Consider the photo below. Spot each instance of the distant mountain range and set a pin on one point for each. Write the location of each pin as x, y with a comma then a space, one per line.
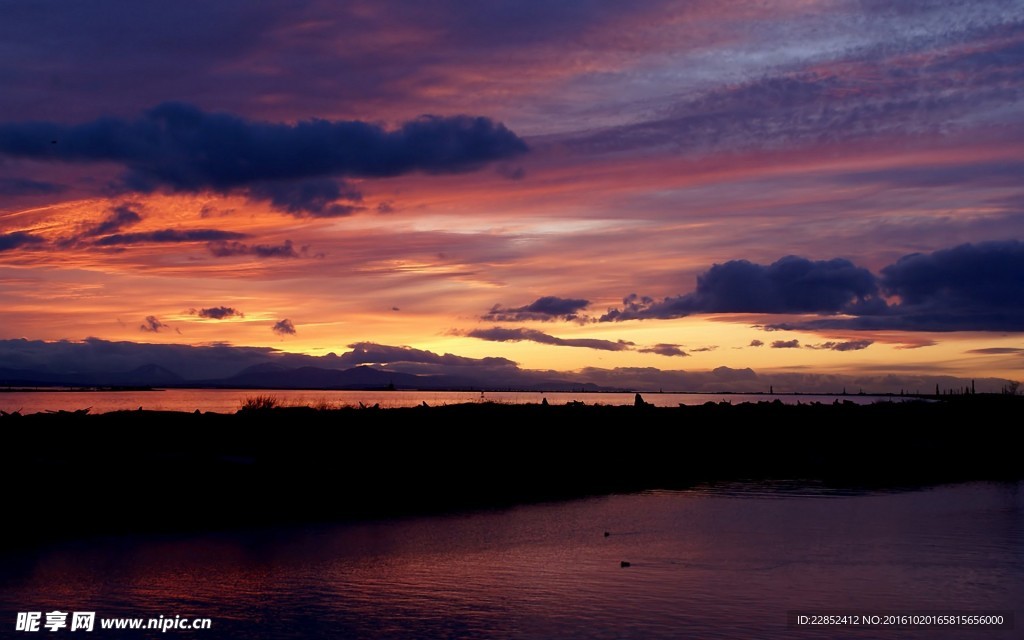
369, 366
275, 376
149, 375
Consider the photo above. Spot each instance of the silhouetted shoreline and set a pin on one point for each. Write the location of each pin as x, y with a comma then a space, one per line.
201, 471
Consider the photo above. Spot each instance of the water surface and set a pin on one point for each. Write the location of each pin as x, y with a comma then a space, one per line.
727, 561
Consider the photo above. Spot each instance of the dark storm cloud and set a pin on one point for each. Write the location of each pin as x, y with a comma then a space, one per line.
152, 324
284, 328
756, 343
120, 217
168, 236
971, 287
502, 334
26, 187
789, 285
228, 249
966, 287
544, 309
850, 345
217, 313
18, 239
989, 275
178, 147
664, 349
786, 344
997, 351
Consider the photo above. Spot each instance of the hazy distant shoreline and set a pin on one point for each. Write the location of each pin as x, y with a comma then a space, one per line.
230, 400
769, 394
199, 471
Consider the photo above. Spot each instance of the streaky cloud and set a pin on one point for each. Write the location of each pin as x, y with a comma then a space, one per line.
997, 351
849, 345
168, 236
797, 107
665, 349
120, 217
503, 334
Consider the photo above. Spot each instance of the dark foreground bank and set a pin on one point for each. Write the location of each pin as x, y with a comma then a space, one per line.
66, 475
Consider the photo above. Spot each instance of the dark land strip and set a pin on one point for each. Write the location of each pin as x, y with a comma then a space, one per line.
68, 475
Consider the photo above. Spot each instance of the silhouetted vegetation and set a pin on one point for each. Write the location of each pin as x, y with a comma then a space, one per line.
267, 463
259, 403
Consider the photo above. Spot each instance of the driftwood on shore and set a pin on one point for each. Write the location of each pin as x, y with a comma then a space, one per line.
143, 470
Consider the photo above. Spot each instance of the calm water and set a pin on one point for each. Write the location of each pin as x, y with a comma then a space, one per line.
721, 562
229, 400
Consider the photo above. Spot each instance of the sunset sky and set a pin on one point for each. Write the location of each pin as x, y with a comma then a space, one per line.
597, 187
